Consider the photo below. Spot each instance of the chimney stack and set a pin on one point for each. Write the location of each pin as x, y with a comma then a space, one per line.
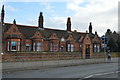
68, 24
40, 20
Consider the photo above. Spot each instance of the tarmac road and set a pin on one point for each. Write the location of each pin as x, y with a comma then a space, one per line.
79, 72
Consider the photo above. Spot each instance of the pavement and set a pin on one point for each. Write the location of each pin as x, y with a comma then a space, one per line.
76, 72
14, 66
97, 71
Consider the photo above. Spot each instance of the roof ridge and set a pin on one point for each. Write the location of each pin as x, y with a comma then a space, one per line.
20, 25
44, 28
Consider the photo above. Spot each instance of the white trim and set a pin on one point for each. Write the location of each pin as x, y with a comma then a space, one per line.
34, 46
98, 48
39, 46
12, 45
51, 47
68, 47
72, 47
18, 46
95, 48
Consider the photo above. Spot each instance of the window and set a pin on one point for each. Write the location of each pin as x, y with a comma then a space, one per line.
39, 46
34, 46
18, 46
50, 46
80, 48
14, 45
27, 47
98, 48
68, 47
55, 47
72, 47
8, 47
94, 48
62, 48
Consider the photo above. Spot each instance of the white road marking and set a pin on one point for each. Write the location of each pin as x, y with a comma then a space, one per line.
100, 74
89, 76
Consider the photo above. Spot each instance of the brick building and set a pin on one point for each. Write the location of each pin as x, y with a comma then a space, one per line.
38, 38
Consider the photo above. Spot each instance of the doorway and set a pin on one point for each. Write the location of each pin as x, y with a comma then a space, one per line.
87, 51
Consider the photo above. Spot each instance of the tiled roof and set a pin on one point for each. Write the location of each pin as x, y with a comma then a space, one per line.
29, 31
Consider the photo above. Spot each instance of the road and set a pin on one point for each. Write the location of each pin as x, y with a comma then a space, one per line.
81, 71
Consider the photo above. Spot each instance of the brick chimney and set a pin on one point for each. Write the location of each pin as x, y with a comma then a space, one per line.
40, 20
2, 14
68, 24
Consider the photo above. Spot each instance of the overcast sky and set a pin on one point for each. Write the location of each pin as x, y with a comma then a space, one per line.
102, 13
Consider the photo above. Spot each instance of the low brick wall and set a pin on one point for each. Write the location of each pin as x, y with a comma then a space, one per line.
24, 56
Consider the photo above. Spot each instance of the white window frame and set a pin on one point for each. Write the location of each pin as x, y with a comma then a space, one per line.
98, 48
72, 47
51, 47
12, 45
95, 48
8, 46
34, 44
18, 45
39, 46
68, 46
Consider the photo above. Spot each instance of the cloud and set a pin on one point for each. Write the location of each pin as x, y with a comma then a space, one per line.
48, 6
10, 8
56, 22
103, 14
1, 3
7, 6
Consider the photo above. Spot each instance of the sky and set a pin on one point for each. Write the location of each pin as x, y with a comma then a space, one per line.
102, 13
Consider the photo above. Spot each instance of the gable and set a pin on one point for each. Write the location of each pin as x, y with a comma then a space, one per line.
13, 29
96, 39
70, 37
37, 35
53, 36
87, 39
13, 32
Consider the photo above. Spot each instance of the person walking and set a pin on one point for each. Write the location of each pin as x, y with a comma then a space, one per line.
109, 55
